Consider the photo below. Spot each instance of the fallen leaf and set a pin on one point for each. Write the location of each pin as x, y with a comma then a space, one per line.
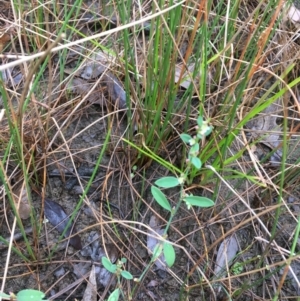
58, 218
98, 65
153, 283
294, 14
265, 129
90, 293
94, 249
115, 90
11, 77
103, 276
226, 253
186, 78
81, 87
4, 39
81, 268
152, 242
92, 70
21, 197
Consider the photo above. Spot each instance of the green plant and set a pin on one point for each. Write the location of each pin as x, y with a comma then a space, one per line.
117, 269
193, 163
237, 268
25, 295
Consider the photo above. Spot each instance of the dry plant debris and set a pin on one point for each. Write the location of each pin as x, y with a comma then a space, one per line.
58, 218
98, 66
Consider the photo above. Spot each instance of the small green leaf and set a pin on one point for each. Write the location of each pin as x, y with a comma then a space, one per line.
195, 149
5, 296
30, 295
169, 254
157, 251
127, 275
123, 260
185, 138
160, 198
196, 162
237, 268
108, 265
114, 296
200, 121
167, 182
208, 130
199, 201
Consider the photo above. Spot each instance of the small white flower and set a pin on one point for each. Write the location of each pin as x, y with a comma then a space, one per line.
188, 205
192, 141
181, 180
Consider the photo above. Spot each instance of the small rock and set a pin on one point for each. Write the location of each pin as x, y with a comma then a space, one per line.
59, 272
81, 269
291, 199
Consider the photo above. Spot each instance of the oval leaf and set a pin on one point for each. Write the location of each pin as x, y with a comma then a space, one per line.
167, 182
185, 138
127, 275
199, 201
195, 148
32, 295
160, 198
108, 265
196, 162
114, 295
200, 121
169, 254
90, 292
226, 254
